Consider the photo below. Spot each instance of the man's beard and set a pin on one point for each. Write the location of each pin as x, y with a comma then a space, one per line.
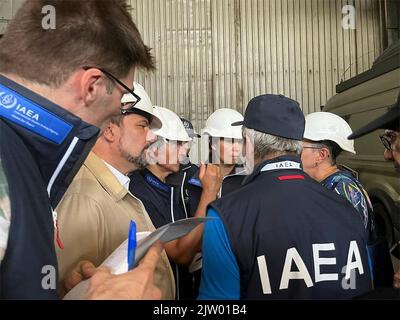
140, 162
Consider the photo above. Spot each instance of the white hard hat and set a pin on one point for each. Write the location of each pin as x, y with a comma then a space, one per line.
172, 126
144, 106
219, 125
328, 126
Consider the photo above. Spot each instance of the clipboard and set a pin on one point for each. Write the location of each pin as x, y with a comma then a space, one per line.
117, 261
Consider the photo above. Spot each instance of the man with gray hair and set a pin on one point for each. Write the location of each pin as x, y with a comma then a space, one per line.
280, 217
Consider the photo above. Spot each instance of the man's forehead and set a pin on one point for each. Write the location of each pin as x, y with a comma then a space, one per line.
136, 118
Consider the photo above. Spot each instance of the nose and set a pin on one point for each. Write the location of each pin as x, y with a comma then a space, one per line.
388, 155
151, 136
237, 146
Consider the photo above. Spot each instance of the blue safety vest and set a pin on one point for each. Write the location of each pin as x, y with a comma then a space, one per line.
292, 238
163, 204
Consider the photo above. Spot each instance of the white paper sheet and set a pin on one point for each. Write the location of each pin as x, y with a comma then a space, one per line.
117, 262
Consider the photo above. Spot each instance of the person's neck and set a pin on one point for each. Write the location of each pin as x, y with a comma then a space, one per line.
51, 94
323, 171
160, 172
63, 96
258, 160
113, 160
273, 156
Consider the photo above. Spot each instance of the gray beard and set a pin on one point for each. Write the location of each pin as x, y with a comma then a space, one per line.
140, 161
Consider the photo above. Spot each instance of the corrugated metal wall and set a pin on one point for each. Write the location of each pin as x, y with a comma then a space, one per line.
220, 53
7, 10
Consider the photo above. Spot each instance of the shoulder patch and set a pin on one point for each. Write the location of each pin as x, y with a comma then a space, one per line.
25, 113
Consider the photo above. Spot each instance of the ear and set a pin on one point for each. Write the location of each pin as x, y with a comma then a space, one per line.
111, 133
323, 154
92, 86
156, 152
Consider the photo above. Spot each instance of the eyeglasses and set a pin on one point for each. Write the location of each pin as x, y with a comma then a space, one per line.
126, 108
388, 140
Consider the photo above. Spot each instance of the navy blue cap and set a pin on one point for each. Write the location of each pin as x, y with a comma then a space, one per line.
189, 128
276, 115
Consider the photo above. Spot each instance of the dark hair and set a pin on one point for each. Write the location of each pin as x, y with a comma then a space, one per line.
333, 147
117, 120
89, 32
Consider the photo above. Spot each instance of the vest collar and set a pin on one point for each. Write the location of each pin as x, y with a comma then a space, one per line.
58, 154
185, 167
278, 163
155, 182
237, 170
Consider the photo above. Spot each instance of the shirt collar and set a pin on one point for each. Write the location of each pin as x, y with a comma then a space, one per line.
122, 179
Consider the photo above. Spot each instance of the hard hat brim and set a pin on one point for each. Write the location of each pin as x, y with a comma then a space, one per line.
155, 122
237, 123
194, 135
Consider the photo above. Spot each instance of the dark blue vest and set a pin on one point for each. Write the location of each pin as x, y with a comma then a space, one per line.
190, 192
156, 198
30, 161
280, 222
233, 181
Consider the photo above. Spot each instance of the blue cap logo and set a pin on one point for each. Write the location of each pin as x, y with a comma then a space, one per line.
7, 101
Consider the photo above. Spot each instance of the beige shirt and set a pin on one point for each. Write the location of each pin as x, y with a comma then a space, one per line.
94, 217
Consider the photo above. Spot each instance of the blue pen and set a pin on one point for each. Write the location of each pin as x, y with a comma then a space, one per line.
131, 245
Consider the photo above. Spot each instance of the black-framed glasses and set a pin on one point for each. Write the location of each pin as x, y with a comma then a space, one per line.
386, 140
126, 108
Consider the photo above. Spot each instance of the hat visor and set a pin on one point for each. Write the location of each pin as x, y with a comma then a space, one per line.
237, 123
194, 135
155, 122
390, 120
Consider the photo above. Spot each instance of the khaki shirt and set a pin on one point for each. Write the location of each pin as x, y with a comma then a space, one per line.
94, 217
